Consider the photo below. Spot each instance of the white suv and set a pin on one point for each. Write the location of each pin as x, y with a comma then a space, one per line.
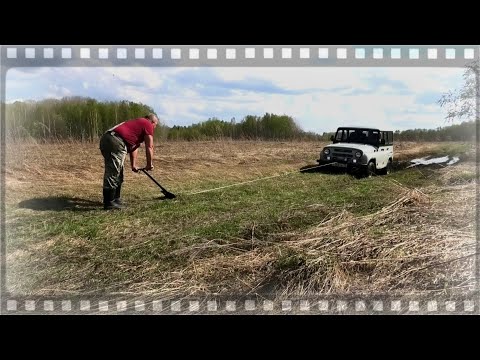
367, 150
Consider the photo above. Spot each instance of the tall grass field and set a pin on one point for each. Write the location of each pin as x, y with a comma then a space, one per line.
246, 220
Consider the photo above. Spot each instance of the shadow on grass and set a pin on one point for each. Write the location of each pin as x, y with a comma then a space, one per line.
313, 169
322, 170
60, 203
164, 198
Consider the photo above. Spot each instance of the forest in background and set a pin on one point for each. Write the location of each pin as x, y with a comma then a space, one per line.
85, 119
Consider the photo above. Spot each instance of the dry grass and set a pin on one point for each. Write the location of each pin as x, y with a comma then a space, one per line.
412, 245
422, 240
73, 167
407, 150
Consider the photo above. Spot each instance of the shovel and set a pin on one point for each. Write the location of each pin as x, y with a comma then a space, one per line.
165, 192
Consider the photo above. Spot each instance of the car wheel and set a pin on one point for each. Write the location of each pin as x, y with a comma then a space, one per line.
371, 169
388, 169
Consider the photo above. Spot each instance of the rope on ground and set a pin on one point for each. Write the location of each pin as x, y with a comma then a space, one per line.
255, 180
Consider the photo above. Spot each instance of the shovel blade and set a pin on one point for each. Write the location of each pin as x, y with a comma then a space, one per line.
169, 195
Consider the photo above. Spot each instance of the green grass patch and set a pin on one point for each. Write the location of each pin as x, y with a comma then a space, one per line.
96, 249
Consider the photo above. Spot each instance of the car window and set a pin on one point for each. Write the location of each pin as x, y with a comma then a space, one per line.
342, 135
361, 136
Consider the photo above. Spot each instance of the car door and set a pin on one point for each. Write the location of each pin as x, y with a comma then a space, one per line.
383, 150
388, 147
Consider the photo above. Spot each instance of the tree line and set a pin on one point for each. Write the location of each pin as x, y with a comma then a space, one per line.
266, 127
87, 119
76, 118
464, 131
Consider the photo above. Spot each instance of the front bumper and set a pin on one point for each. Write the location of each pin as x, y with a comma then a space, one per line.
347, 163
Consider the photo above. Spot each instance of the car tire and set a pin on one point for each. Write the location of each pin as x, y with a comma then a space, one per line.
371, 169
388, 169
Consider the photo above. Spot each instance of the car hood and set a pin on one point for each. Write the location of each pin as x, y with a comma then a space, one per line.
356, 146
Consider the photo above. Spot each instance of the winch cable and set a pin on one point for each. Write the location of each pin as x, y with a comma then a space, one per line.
260, 179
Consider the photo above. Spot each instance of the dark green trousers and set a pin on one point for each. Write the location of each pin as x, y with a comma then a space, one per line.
114, 152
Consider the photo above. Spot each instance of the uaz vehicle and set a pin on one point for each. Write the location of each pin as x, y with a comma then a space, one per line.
365, 150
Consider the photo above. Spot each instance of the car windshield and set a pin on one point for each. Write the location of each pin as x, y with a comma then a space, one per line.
359, 136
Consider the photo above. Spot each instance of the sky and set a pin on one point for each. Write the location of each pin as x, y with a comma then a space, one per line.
320, 99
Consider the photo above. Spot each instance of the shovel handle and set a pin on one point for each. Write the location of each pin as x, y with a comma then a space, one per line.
155, 181
167, 193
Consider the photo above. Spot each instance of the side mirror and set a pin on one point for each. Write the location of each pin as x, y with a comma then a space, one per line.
382, 142
332, 138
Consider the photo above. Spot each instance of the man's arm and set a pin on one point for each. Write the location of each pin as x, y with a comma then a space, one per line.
149, 151
133, 160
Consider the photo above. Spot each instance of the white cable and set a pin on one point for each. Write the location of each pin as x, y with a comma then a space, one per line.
251, 181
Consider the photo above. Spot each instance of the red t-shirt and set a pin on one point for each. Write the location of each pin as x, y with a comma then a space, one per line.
134, 131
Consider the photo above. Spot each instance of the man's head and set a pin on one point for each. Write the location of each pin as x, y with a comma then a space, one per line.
153, 119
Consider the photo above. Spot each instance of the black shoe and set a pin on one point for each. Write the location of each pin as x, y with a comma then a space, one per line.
117, 199
112, 206
108, 203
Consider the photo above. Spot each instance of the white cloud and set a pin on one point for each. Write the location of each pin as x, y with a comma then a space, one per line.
424, 79
299, 78
11, 101
134, 94
16, 74
56, 92
190, 95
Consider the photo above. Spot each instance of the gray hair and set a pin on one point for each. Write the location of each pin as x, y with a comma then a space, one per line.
151, 117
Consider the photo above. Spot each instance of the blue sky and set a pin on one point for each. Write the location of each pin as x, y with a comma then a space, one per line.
318, 98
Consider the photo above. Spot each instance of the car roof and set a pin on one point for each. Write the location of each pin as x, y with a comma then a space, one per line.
359, 128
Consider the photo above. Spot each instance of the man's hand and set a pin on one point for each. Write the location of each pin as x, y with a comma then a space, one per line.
148, 167
135, 169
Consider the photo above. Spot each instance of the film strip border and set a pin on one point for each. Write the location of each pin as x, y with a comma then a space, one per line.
258, 55
352, 305
265, 55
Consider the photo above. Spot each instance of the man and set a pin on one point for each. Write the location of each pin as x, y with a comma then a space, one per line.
115, 144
